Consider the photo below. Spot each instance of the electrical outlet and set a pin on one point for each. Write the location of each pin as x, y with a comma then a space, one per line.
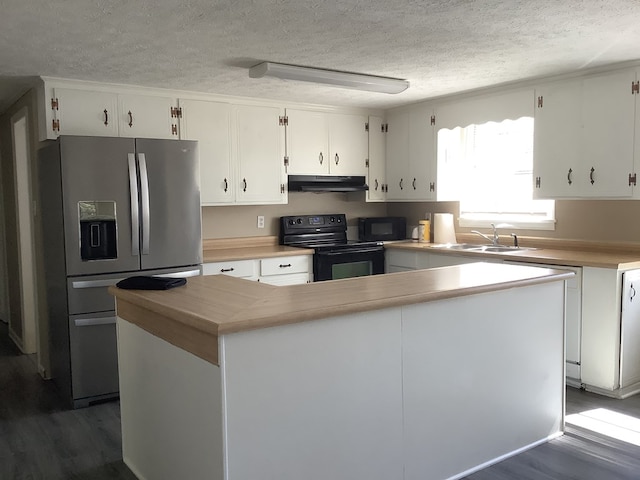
260, 221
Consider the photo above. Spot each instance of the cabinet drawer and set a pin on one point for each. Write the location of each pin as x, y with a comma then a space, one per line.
285, 265
236, 268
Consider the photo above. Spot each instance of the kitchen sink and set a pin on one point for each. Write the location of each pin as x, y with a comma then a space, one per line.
474, 247
458, 246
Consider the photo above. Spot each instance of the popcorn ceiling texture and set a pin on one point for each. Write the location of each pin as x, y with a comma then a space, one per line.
441, 47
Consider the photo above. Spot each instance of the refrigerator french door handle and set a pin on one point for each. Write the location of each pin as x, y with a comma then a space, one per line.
133, 192
144, 197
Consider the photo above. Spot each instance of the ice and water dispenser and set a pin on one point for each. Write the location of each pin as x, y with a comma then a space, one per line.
98, 235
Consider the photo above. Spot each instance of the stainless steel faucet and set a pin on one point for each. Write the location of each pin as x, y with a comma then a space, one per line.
496, 237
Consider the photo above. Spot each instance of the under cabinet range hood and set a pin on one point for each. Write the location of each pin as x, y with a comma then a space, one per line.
327, 183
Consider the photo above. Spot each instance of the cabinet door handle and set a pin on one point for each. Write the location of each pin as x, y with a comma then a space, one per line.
569, 181
591, 175
376, 187
224, 270
106, 117
633, 293
287, 265
401, 184
337, 158
414, 183
244, 184
321, 158
130, 118
226, 185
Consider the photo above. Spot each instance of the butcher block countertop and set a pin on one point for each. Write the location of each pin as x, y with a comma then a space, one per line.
193, 316
246, 248
576, 254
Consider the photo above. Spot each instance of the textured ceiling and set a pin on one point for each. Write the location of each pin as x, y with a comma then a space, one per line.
441, 46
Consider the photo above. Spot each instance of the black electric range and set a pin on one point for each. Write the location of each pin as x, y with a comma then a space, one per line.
335, 257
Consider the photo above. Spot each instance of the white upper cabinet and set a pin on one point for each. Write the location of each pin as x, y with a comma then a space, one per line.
144, 116
307, 142
321, 143
210, 124
83, 112
348, 144
410, 154
81, 108
557, 142
397, 153
585, 129
376, 174
608, 115
259, 147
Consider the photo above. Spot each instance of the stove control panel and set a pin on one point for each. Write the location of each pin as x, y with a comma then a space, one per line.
313, 222
297, 228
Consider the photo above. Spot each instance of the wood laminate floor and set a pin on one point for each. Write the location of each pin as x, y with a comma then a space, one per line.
42, 440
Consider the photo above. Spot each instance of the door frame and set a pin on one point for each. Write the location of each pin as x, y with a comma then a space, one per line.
21, 153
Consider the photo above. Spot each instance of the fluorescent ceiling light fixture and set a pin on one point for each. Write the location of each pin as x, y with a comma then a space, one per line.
370, 83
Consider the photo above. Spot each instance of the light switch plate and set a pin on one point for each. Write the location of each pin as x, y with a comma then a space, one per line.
260, 221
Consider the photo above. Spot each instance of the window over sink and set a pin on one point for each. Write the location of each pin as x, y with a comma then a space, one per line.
489, 169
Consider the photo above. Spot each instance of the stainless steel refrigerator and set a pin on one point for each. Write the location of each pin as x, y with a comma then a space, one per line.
111, 208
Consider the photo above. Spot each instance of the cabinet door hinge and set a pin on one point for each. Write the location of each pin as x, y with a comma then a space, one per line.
174, 129
366, 126
540, 101
54, 104
632, 179
537, 182
282, 188
432, 186
366, 162
176, 112
433, 119
283, 121
286, 161
635, 87
55, 125
385, 128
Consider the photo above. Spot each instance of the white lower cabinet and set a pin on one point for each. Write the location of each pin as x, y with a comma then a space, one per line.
234, 268
611, 331
404, 260
290, 270
573, 321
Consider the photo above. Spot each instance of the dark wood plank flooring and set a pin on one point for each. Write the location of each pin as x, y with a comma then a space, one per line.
42, 440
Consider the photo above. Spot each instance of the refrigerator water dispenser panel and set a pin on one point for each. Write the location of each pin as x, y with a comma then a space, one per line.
98, 234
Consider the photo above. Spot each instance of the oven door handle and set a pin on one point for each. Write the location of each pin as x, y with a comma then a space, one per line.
350, 251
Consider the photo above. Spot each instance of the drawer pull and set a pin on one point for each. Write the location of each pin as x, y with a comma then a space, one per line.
285, 265
223, 270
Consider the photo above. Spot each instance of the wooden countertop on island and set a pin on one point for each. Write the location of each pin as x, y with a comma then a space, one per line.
193, 316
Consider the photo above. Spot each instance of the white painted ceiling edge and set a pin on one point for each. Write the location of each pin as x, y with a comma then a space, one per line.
441, 47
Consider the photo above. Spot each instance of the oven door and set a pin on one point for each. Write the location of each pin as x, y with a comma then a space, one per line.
347, 263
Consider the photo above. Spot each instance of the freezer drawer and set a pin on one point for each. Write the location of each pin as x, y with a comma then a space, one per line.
94, 357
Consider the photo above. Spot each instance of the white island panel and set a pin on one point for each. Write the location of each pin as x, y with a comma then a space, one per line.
476, 367
315, 401
170, 409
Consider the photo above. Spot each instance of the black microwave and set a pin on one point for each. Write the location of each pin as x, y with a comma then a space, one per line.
382, 228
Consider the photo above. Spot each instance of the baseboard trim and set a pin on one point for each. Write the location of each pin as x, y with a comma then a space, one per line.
505, 456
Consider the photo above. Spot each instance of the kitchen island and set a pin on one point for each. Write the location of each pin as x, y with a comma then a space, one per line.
430, 374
